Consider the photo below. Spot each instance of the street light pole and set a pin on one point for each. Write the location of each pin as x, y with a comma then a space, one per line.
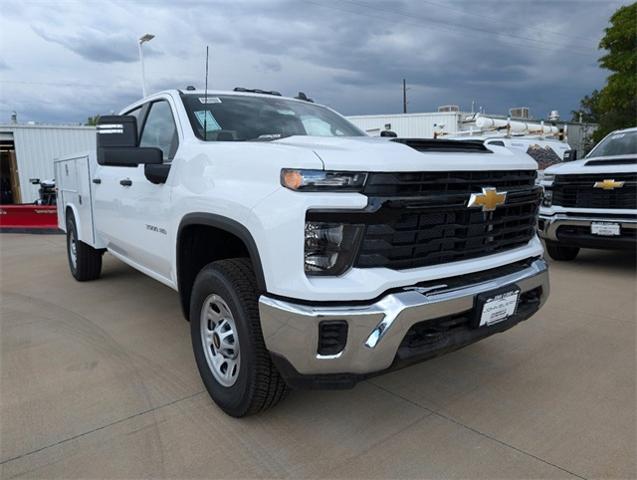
143, 39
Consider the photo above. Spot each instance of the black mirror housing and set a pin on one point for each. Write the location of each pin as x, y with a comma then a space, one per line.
129, 156
116, 131
117, 143
570, 155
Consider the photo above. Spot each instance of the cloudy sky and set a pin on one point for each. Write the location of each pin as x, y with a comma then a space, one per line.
63, 60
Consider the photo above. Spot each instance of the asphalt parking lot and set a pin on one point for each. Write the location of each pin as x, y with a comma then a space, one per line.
98, 380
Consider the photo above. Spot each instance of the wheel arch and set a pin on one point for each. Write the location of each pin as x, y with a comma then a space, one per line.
215, 223
70, 209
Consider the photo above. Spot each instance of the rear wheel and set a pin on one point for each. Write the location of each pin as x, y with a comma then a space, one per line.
227, 341
85, 262
561, 252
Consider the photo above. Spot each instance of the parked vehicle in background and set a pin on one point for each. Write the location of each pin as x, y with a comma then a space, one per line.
545, 151
305, 253
545, 143
46, 193
592, 203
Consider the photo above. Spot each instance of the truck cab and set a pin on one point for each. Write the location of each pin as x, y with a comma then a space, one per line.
305, 253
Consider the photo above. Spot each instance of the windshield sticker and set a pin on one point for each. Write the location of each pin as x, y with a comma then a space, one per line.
205, 100
204, 117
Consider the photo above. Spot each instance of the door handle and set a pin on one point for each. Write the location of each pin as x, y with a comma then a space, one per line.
97, 181
126, 182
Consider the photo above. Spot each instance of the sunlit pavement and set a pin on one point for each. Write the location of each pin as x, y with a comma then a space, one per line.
98, 380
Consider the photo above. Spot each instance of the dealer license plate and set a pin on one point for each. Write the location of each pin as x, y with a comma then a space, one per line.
499, 307
605, 228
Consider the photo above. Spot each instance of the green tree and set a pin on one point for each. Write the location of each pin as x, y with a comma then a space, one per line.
92, 121
616, 104
588, 111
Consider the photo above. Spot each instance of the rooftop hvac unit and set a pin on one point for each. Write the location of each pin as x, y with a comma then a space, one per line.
519, 112
448, 108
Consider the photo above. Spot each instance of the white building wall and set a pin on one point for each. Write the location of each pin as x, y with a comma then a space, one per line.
37, 145
418, 125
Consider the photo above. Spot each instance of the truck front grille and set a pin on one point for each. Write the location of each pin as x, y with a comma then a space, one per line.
422, 219
577, 191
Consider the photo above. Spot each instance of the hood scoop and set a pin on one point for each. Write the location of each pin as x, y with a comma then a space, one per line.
437, 145
615, 161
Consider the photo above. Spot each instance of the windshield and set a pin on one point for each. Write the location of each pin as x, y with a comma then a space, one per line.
620, 143
243, 118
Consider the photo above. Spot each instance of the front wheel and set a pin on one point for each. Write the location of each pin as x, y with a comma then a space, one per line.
227, 341
561, 252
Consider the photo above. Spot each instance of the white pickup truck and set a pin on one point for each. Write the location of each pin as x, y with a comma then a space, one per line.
305, 253
592, 203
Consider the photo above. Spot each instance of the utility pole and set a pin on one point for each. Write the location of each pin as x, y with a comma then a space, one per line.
404, 96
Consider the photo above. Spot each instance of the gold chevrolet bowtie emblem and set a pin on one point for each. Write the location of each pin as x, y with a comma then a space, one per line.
489, 199
608, 184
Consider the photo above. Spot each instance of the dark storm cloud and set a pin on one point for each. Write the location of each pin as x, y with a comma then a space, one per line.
95, 45
351, 54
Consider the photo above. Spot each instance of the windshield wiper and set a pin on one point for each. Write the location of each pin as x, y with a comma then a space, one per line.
267, 137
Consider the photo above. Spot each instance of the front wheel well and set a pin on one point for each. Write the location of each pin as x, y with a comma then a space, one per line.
199, 244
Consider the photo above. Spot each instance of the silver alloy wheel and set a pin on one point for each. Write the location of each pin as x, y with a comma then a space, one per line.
220, 340
73, 248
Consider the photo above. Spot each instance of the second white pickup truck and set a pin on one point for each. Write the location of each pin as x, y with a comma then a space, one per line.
305, 253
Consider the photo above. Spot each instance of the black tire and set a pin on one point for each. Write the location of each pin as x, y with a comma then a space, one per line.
561, 253
88, 261
258, 385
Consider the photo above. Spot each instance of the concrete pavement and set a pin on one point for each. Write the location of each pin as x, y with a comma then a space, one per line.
98, 380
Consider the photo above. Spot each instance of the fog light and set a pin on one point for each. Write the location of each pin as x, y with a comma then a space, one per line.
330, 247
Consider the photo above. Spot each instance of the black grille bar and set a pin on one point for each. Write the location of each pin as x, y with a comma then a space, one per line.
437, 183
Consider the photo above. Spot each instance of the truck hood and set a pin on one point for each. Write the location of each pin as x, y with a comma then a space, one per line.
374, 154
602, 165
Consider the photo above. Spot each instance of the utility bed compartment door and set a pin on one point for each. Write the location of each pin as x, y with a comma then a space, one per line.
72, 176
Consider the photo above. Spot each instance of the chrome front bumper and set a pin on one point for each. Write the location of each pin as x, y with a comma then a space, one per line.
375, 331
550, 223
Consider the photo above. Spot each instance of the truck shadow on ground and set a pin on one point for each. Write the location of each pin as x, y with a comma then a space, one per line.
615, 261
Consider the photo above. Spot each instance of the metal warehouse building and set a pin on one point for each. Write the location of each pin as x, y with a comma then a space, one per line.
27, 151
415, 125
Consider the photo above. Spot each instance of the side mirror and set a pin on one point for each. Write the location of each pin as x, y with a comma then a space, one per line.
570, 155
388, 133
117, 143
34, 181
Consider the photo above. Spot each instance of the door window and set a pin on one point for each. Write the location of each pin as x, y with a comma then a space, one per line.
160, 130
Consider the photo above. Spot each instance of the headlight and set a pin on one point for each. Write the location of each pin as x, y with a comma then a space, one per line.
321, 180
547, 198
545, 178
330, 247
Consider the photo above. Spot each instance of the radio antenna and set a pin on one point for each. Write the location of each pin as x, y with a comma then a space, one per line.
205, 100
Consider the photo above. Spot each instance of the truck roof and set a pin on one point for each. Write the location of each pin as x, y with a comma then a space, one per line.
212, 93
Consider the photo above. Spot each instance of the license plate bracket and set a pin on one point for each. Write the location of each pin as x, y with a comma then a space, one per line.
606, 229
496, 306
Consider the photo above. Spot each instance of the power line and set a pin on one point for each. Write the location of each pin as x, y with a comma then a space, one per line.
499, 21
443, 27
506, 36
